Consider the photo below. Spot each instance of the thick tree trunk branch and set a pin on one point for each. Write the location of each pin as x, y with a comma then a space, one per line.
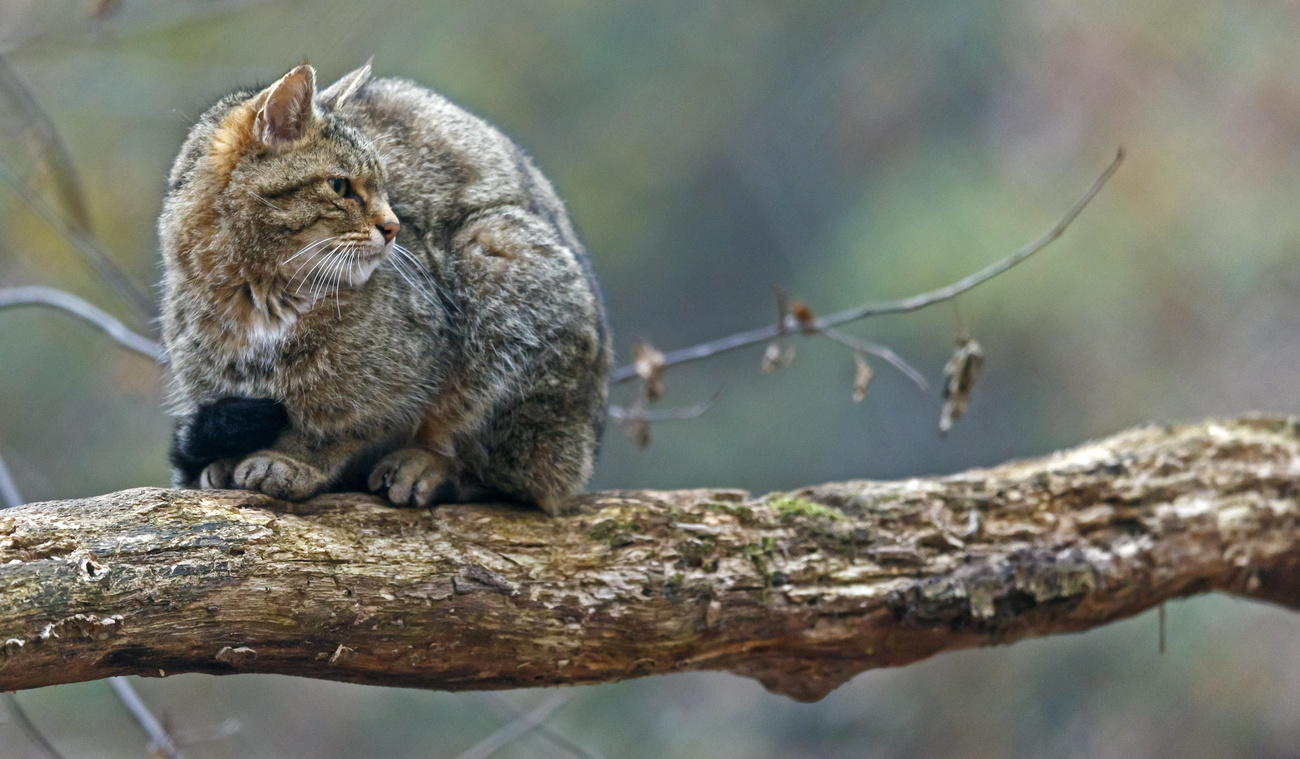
799, 590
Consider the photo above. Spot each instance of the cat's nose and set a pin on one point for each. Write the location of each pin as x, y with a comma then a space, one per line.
388, 228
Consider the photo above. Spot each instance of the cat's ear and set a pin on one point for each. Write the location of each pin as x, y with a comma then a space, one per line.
338, 93
287, 109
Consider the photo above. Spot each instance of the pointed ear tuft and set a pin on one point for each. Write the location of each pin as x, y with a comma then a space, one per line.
338, 93
287, 109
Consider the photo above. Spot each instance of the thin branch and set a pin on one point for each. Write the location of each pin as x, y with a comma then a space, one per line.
154, 25
85, 243
39, 295
515, 729
508, 711
161, 742
635, 413
9, 494
220, 731
903, 305
29, 728
55, 152
884, 352
1161, 632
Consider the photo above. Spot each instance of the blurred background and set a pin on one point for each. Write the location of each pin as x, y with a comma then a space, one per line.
846, 151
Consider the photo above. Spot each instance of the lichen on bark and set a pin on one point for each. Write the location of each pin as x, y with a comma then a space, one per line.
800, 590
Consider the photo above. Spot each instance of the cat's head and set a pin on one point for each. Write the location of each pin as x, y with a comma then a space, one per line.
280, 191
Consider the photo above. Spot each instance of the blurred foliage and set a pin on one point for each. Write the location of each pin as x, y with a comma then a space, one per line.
847, 151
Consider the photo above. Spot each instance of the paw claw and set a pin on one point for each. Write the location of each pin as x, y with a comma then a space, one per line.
411, 477
216, 476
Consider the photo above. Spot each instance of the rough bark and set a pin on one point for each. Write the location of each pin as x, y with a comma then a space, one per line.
800, 590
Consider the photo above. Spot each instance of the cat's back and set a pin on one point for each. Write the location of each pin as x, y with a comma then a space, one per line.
443, 162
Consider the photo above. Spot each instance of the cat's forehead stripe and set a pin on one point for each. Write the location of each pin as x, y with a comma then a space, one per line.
357, 154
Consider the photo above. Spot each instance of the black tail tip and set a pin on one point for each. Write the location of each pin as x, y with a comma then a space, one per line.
227, 427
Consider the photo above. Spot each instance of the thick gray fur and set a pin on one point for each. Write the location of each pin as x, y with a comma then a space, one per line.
472, 366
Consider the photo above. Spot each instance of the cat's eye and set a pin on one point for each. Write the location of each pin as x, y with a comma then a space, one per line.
340, 186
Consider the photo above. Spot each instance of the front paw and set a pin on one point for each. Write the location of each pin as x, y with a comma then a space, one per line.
279, 476
217, 475
412, 477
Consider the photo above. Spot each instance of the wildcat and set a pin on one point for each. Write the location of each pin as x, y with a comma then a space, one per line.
367, 286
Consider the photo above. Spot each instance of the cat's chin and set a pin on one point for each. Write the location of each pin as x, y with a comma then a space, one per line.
321, 281
362, 270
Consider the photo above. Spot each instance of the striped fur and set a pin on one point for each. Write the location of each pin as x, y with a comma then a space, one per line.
467, 360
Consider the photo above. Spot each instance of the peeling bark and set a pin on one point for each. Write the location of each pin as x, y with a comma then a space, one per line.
800, 590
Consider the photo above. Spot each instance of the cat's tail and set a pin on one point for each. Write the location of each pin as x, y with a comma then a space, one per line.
226, 428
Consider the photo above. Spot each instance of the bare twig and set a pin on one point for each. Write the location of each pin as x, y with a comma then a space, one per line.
9, 495
63, 32
85, 243
29, 728
883, 351
637, 419
161, 742
515, 729
508, 711
624, 413
39, 295
903, 305
1161, 616
220, 731
62, 170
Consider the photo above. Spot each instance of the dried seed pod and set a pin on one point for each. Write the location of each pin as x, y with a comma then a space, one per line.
958, 378
804, 316
649, 363
777, 355
861, 378
638, 430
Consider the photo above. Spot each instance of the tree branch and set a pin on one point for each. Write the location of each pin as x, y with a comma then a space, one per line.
800, 590
790, 325
160, 741
75, 229
39, 295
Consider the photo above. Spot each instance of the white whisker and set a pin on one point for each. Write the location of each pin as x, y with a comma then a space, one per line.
303, 281
432, 287
308, 247
338, 280
265, 202
319, 279
414, 281
311, 273
414, 267
401, 272
314, 262
328, 275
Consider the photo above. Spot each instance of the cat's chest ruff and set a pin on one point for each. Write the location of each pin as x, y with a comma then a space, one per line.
264, 337
255, 341
260, 325
270, 346
252, 364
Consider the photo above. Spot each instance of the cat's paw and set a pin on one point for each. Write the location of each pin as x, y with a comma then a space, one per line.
412, 477
217, 475
279, 476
